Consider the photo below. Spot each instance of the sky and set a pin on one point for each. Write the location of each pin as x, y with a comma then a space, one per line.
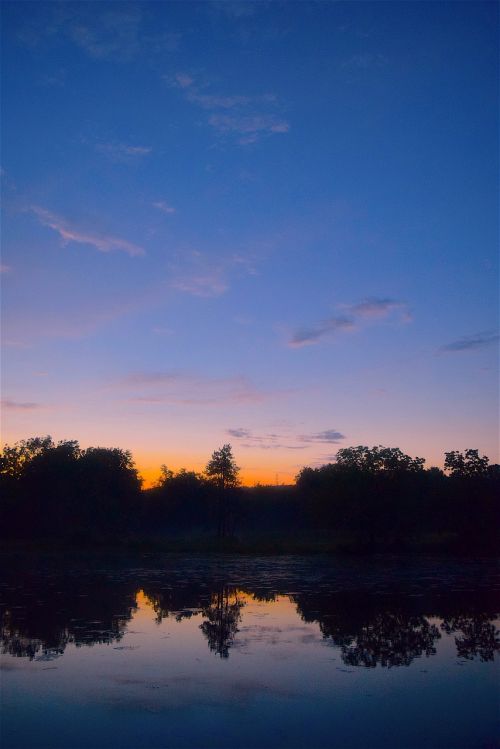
273, 224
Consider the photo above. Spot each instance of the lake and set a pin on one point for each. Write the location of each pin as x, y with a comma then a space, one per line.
153, 650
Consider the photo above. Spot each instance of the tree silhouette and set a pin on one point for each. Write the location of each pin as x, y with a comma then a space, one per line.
470, 465
370, 498
376, 459
222, 472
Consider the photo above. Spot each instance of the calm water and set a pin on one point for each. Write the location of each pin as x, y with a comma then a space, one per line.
164, 651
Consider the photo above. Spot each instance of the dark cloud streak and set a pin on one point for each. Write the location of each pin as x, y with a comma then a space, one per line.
471, 343
355, 315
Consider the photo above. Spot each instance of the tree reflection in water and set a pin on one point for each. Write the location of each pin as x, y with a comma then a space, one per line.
222, 618
41, 614
45, 608
477, 636
389, 639
371, 631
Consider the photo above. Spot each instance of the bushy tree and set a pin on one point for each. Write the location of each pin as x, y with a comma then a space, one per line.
470, 465
376, 459
15, 458
38, 480
57, 489
108, 488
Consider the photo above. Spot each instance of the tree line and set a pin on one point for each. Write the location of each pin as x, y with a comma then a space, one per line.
370, 498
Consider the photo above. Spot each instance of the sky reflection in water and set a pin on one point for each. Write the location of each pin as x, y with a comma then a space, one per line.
163, 651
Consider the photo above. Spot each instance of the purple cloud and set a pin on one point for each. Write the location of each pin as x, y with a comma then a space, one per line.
325, 328
356, 314
238, 433
10, 405
328, 436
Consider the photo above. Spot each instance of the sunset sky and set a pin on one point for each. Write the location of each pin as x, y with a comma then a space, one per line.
273, 224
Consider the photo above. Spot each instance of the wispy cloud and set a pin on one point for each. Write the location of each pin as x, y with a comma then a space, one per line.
70, 233
311, 336
186, 389
153, 378
211, 101
210, 284
267, 441
246, 119
329, 436
115, 36
355, 315
164, 207
239, 433
250, 127
373, 307
471, 342
181, 80
204, 275
123, 152
10, 405
5, 268
113, 32
273, 441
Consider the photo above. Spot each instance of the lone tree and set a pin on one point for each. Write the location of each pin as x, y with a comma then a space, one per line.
222, 472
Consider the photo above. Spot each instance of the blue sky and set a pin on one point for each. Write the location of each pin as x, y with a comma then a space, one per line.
274, 224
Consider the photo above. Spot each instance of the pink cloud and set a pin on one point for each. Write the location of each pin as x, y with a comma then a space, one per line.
68, 233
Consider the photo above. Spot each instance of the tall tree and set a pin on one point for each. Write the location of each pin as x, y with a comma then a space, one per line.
223, 473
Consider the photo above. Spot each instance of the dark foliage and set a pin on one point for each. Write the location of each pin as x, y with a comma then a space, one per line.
370, 499
58, 490
385, 499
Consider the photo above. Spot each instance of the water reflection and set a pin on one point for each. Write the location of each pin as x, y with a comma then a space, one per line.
477, 635
221, 620
41, 613
44, 608
370, 634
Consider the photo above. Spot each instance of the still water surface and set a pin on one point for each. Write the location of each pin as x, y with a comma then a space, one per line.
169, 651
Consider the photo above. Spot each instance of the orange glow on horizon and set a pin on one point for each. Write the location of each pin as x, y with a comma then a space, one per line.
265, 476
151, 474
